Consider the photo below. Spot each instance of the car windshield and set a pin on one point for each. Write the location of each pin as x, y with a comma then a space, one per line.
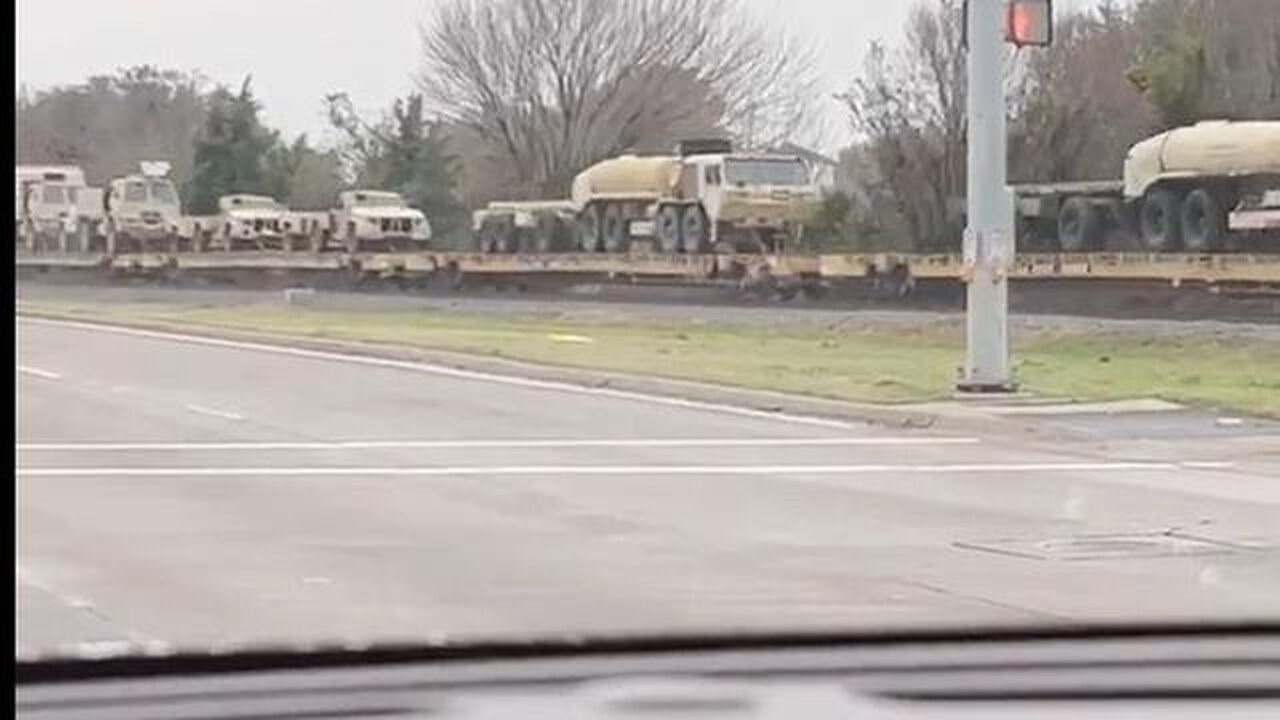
642, 318
766, 172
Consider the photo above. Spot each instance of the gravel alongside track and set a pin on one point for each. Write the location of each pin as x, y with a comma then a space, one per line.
588, 307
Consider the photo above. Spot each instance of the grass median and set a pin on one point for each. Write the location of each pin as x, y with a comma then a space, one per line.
851, 361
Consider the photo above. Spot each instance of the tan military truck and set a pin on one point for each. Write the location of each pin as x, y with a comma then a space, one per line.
371, 220
243, 222
1201, 188
56, 210
143, 211
704, 197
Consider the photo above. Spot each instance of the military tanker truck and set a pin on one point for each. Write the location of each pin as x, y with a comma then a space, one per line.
1202, 188
704, 197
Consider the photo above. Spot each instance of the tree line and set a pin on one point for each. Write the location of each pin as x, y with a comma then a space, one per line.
218, 144
514, 97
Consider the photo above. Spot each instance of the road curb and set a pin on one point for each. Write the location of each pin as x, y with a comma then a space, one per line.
765, 401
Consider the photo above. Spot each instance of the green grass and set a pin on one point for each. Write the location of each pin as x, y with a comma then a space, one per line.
874, 364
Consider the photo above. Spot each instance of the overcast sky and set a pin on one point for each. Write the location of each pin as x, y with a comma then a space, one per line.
299, 50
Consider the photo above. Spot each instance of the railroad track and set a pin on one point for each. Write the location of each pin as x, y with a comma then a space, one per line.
1261, 270
1178, 287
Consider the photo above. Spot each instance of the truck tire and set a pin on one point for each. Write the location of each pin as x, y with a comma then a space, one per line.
1160, 220
614, 229
667, 228
693, 230
484, 238
590, 226
350, 244
1079, 226
547, 235
1204, 221
84, 237
503, 238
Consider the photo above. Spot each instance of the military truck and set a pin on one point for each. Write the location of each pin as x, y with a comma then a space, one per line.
252, 222
55, 208
1201, 188
143, 211
370, 220
704, 197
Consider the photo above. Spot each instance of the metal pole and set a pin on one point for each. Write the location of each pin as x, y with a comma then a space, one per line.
988, 239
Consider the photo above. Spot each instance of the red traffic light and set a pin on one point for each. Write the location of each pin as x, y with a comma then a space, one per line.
1029, 23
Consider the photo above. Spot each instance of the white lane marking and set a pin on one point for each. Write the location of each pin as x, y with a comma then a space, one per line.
1213, 465
494, 444
214, 412
424, 367
946, 469
37, 372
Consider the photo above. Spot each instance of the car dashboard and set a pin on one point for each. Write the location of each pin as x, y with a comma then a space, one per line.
1221, 673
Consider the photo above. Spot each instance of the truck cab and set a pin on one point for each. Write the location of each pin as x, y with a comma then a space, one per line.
752, 201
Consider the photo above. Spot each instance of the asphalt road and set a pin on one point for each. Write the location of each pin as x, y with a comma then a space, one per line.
204, 492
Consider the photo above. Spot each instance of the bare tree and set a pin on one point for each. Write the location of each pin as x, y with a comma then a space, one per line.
553, 85
909, 108
1074, 112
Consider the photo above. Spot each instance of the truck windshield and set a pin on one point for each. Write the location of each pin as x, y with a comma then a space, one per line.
135, 192
377, 200
766, 172
162, 192
253, 202
56, 195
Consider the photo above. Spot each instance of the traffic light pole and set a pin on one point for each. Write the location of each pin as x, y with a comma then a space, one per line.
989, 237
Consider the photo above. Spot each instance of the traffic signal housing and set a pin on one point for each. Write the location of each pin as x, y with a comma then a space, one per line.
1029, 23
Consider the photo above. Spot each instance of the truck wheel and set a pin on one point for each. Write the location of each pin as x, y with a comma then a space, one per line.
1204, 222
1079, 226
668, 228
484, 239
84, 237
548, 236
614, 229
693, 230
1160, 220
590, 229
